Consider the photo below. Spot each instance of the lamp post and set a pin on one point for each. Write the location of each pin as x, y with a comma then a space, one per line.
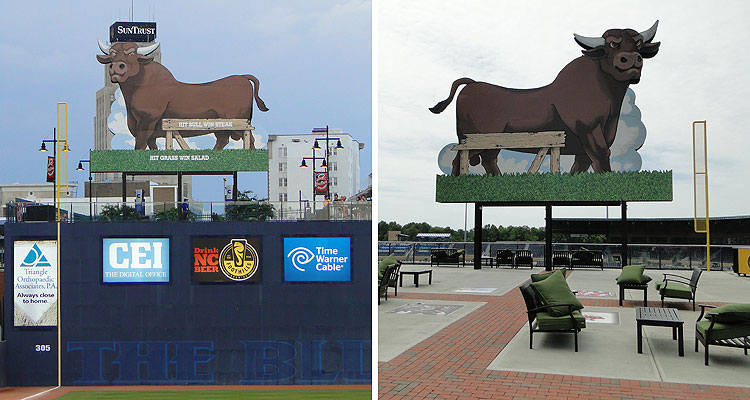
43, 148
326, 161
91, 188
314, 158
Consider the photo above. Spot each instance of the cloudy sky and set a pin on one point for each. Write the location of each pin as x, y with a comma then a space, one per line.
313, 60
699, 74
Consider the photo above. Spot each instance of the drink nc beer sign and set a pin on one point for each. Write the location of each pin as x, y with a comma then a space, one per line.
127, 260
226, 260
317, 259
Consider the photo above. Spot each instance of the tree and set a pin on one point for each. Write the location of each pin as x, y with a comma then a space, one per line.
119, 213
249, 208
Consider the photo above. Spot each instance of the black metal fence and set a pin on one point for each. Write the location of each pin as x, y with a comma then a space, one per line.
654, 256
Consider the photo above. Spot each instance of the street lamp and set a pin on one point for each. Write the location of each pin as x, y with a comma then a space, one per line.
43, 148
91, 188
326, 162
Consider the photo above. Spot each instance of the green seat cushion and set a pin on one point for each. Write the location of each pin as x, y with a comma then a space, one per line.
723, 331
554, 290
632, 274
732, 313
391, 259
674, 289
549, 322
545, 275
645, 278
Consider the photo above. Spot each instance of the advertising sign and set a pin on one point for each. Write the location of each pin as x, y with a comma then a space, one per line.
132, 32
178, 160
136, 260
140, 201
321, 183
317, 259
226, 259
50, 169
35, 283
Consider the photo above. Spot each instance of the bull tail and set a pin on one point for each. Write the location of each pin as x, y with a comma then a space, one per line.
256, 84
439, 107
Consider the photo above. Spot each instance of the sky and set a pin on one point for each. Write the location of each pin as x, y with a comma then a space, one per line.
313, 60
698, 74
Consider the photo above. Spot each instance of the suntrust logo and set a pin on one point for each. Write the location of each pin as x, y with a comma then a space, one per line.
317, 259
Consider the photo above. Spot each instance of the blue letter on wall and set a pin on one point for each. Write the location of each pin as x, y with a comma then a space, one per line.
268, 362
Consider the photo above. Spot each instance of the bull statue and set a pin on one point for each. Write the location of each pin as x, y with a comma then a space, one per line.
152, 93
584, 101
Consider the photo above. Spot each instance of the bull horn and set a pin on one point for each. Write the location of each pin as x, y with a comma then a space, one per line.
146, 50
648, 35
588, 42
103, 47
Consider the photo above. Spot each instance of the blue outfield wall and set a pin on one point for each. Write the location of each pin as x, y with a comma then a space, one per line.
185, 332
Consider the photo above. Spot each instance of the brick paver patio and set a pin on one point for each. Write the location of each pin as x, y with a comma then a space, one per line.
452, 363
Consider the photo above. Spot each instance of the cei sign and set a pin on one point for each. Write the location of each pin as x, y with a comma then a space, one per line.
317, 259
128, 260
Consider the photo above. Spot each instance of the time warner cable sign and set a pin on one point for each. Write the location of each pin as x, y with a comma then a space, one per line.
127, 260
317, 259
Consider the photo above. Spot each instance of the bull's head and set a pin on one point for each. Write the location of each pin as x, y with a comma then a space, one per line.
125, 59
621, 51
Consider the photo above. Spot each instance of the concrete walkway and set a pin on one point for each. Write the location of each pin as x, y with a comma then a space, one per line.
466, 335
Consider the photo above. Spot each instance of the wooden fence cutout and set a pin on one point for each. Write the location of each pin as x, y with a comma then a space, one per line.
172, 126
546, 142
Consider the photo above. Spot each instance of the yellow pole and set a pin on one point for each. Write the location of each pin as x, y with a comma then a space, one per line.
61, 146
705, 158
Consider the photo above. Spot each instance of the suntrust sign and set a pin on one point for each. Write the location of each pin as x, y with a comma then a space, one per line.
132, 32
128, 260
317, 259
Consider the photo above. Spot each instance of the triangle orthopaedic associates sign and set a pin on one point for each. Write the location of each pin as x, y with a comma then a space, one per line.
35, 283
226, 259
135, 260
317, 259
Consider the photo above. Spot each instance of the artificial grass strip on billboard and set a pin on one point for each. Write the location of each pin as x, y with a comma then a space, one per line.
178, 160
552, 187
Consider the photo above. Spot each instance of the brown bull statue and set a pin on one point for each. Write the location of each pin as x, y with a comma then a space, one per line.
152, 93
584, 101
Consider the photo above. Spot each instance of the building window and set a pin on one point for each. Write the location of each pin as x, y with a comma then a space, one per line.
334, 166
334, 181
282, 197
282, 166
335, 151
282, 151
282, 182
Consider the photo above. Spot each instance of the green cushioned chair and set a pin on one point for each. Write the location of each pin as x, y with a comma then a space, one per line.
726, 326
541, 318
679, 287
633, 278
390, 275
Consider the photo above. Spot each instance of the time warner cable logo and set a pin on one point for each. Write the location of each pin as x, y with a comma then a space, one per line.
317, 259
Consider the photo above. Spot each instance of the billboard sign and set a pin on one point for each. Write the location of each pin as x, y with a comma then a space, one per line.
317, 259
135, 260
50, 169
226, 259
132, 32
178, 160
35, 283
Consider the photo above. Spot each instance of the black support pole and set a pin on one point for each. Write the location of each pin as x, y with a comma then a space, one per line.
179, 188
548, 238
624, 247
234, 186
477, 236
124, 181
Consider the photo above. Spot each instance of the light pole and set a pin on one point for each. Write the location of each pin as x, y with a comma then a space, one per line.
326, 162
55, 142
91, 188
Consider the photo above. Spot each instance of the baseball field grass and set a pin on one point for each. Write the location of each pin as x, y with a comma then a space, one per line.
222, 394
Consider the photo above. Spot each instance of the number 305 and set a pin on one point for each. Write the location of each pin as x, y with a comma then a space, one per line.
42, 347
